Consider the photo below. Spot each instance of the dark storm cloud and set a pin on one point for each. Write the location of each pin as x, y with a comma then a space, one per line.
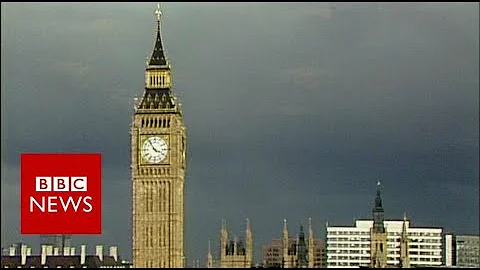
293, 110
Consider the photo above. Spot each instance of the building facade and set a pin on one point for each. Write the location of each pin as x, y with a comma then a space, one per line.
462, 250
350, 246
298, 252
378, 243
272, 256
158, 150
235, 253
467, 250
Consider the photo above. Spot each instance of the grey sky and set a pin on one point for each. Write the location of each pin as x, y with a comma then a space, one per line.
293, 110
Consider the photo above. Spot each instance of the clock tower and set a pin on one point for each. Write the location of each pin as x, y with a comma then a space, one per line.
158, 147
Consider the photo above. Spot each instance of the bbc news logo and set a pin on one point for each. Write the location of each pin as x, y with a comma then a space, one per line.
60, 193
50, 203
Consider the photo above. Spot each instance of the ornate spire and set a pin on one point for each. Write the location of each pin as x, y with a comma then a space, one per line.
285, 229
404, 227
158, 56
310, 230
224, 245
158, 77
235, 240
404, 261
378, 198
209, 256
224, 225
311, 245
378, 216
285, 242
249, 244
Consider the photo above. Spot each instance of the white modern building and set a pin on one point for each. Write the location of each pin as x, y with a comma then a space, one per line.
350, 246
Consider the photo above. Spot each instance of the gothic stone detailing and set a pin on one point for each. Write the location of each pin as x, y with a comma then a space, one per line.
299, 252
236, 253
378, 248
158, 170
158, 199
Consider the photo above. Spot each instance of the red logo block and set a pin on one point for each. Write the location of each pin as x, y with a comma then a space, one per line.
61, 194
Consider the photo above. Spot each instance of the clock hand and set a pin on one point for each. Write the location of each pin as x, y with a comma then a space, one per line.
155, 149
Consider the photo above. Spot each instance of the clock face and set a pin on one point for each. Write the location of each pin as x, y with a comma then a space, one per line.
154, 149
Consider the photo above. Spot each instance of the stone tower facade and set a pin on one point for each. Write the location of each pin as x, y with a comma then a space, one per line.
378, 234
158, 150
298, 253
236, 253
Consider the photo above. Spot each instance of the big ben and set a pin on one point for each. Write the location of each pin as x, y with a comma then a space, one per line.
158, 148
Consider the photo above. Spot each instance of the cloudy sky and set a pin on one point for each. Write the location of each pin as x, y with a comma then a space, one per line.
293, 110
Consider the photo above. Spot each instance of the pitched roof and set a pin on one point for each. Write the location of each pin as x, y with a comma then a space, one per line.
158, 56
157, 99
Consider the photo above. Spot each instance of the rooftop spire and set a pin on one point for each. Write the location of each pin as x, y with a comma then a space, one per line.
209, 256
158, 56
404, 226
224, 225
285, 230
378, 216
378, 198
158, 12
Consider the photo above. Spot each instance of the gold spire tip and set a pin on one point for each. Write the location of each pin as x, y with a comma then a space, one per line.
158, 12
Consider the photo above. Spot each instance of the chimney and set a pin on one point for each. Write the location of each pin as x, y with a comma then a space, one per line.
99, 252
24, 254
44, 254
72, 251
29, 251
114, 252
56, 251
49, 250
11, 251
82, 254
66, 251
